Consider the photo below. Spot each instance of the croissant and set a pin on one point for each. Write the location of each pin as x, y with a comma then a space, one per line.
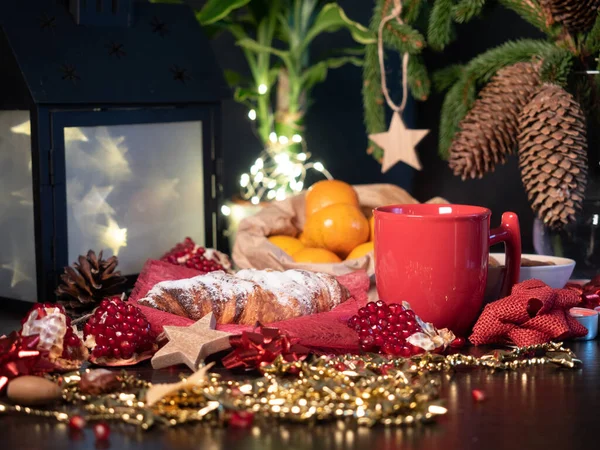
248, 296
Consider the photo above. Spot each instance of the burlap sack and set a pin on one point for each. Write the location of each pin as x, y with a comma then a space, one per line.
252, 249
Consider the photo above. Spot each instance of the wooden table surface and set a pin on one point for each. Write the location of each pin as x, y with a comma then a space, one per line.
541, 408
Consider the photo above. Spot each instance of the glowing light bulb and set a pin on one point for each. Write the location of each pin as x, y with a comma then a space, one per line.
282, 158
272, 184
254, 200
273, 137
283, 140
244, 180
259, 177
299, 186
318, 166
297, 171
252, 114
259, 163
301, 156
280, 194
253, 170
262, 89
271, 194
297, 138
225, 210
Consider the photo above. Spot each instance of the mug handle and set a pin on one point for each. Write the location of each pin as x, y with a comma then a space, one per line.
509, 232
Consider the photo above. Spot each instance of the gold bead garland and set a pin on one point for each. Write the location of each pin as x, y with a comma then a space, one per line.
368, 389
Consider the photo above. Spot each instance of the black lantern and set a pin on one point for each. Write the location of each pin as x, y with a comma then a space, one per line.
109, 119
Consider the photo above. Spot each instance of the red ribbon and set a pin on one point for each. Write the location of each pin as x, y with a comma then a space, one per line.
253, 349
19, 356
590, 292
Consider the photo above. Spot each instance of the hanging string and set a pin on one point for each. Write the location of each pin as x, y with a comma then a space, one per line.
395, 14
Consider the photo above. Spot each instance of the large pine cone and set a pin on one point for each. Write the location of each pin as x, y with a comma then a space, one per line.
488, 133
577, 15
88, 282
553, 155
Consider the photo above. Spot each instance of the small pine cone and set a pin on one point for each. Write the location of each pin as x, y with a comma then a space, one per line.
553, 155
488, 133
87, 282
577, 15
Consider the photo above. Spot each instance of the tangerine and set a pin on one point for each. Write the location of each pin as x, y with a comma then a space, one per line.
288, 244
361, 250
329, 192
316, 255
372, 228
338, 228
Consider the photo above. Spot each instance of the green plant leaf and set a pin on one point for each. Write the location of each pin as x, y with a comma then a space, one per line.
242, 95
317, 73
215, 10
251, 44
332, 18
234, 78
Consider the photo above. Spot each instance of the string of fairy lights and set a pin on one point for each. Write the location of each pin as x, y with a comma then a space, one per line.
278, 171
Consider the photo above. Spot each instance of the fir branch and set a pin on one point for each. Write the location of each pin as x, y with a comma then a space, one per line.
556, 67
440, 30
466, 10
374, 113
403, 38
591, 41
532, 12
418, 78
457, 103
446, 77
411, 10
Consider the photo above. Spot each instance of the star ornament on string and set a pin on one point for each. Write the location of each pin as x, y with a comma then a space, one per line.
190, 345
398, 144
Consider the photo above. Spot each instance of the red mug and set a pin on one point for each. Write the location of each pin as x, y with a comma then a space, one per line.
436, 258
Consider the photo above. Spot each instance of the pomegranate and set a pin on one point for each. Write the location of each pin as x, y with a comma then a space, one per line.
386, 328
118, 334
57, 336
189, 254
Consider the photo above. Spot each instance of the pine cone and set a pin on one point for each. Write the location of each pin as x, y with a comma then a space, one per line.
88, 282
577, 15
488, 133
553, 155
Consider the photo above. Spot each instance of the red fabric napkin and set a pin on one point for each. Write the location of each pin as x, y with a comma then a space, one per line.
534, 313
324, 332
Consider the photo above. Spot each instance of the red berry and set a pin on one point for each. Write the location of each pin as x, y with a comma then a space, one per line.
478, 395
77, 423
101, 431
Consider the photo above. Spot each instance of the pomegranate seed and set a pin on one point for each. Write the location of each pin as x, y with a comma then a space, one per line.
363, 312
371, 307
101, 431
352, 321
77, 423
478, 395
459, 342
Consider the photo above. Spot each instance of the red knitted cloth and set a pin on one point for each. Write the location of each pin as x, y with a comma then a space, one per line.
325, 332
534, 313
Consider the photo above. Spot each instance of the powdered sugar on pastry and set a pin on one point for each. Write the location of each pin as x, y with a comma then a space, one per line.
285, 285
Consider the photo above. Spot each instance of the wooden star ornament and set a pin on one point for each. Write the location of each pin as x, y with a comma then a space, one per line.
398, 144
190, 345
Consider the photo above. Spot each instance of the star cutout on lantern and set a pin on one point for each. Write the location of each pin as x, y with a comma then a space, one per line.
180, 74
115, 49
398, 144
114, 237
69, 73
158, 26
190, 345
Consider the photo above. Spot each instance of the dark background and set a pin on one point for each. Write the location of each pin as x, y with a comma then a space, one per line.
335, 133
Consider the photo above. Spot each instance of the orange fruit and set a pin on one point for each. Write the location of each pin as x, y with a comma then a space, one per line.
315, 255
329, 192
288, 244
361, 250
372, 228
338, 228
302, 238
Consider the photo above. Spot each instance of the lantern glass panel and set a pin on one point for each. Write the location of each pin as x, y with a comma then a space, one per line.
17, 239
134, 190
